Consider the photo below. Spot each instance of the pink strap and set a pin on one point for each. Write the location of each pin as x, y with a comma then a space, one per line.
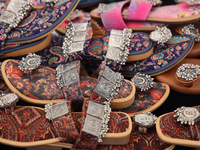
138, 10
113, 19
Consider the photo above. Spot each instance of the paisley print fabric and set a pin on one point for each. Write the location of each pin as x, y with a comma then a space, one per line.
139, 141
162, 58
40, 20
146, 99
28, 124
42, 84
65, 126
118, 122
173, 129
88, 84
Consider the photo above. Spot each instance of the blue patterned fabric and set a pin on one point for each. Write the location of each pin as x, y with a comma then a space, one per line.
41, 21
163, 58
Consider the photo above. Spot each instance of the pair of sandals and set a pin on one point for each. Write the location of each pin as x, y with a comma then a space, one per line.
96, 46
39, 86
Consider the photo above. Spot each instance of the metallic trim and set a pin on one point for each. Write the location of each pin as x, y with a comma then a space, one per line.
56, 110
97, 118
7, 100
29, 63
117, 46
187, 115
191, 30
75, 37
161, 35
188, 72
145, 119
143, 81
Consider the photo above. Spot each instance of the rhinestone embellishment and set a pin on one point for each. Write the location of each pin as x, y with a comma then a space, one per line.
191, 30
188, 72
8, 99
145, 119
187, 115
74, 38
161, 35
143, 81
30, 62
118, 43
98, 116
56, 110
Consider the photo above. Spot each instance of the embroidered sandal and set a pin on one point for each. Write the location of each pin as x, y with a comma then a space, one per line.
40, 85
149, 95
180, 127
36, 25
168, 52
28, 126
114, 46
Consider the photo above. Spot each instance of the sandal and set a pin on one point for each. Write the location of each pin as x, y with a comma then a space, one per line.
180, 82
102, 18
41, 86
180, 127
192, 29
165, 14
98, 48
167, 54
39, 23
148, 97
39, 127
139, 138
15, 50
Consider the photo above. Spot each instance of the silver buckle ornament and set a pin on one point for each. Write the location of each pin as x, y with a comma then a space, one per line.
191, 30
97, 118
106, 7
117, 46
161, 35
187, 115
190, 2
15, 12
109, 84
155, 2
7, 100
145, 119
143, 81
29, 63
56, 110
66, 74
188, 72
74, 38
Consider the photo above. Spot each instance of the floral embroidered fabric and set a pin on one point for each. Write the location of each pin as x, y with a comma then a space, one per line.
176, 49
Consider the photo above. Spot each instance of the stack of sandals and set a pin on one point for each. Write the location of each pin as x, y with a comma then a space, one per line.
52, 72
